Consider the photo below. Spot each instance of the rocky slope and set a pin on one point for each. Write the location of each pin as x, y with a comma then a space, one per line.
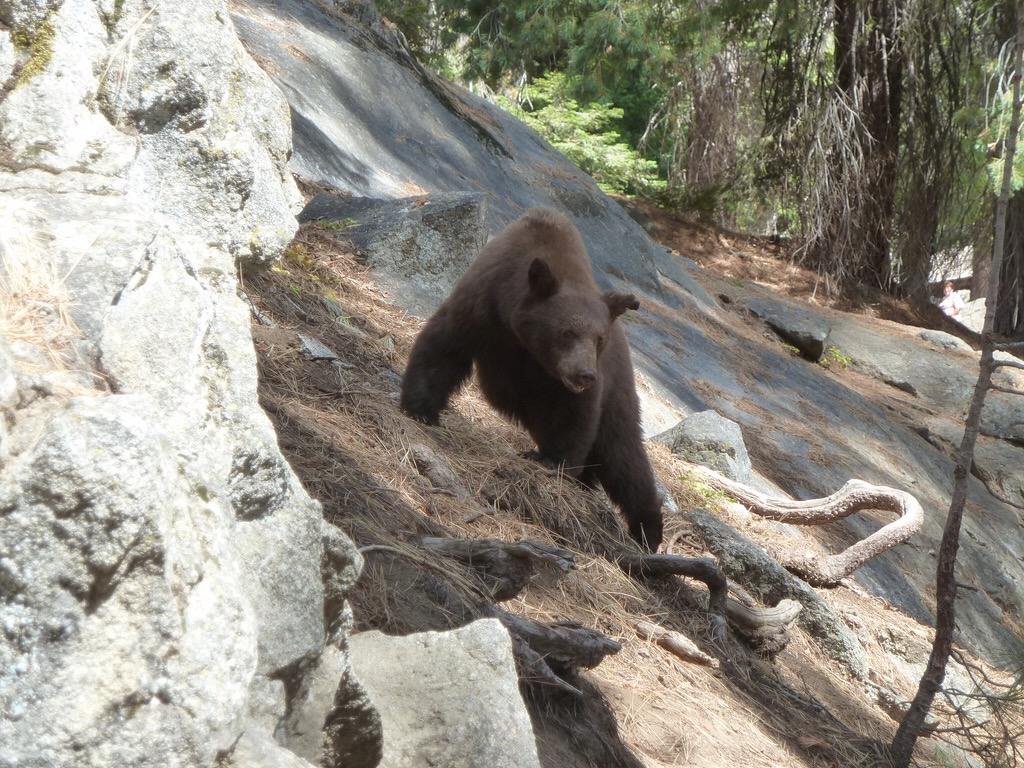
332, 346
170, 593
697, 342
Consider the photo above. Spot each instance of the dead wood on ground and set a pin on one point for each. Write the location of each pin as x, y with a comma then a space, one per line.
676, 643
855, 496
506, 568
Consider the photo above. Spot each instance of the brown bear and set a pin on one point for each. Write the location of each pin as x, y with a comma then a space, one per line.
548, 355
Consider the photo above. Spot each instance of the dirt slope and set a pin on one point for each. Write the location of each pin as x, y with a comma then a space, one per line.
339, 425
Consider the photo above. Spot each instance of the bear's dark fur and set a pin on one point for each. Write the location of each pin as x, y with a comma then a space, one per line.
549, 355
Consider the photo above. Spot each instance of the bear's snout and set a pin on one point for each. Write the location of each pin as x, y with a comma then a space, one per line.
580, 381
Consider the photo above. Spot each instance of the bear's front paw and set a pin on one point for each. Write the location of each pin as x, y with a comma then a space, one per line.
541, 458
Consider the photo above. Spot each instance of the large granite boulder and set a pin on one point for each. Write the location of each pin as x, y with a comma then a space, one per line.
711, 440
420, 246
794, 325
161, 590
485, 723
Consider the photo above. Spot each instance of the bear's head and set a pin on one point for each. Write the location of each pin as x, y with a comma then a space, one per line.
564, 327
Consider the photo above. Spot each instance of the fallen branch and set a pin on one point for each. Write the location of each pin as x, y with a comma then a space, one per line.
676, 643
855, 496
701, 568
505, 567
442, 478
563, 645
765, 628
473, 550
533, 670
755, 619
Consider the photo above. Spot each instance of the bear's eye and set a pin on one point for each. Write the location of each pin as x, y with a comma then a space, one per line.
600, 343
569, 335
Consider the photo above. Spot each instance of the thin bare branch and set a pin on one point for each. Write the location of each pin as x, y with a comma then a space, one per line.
903, 742
1008, 364
1007, 390
676, 643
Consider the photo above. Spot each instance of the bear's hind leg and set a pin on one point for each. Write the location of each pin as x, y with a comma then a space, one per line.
440, 362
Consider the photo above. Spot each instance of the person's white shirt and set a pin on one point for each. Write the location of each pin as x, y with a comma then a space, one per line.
951, 303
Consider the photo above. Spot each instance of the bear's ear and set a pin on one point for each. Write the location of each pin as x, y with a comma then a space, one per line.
543, 283
620, 302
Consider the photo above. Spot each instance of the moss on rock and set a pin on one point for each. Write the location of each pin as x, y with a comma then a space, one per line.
38, 44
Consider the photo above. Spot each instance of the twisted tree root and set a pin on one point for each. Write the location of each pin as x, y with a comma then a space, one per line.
765, 628
854, 496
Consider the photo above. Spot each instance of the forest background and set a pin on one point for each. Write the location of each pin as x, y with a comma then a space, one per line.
868, 133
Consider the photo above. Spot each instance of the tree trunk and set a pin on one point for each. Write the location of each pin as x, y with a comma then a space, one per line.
981, 261
869, 67
711, 139
1009, 319
917, 244
932, 144
882, 105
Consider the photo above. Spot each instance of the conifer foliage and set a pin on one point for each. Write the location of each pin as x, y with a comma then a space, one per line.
862, 129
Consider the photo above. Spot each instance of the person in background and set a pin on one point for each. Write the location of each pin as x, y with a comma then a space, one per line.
951, 302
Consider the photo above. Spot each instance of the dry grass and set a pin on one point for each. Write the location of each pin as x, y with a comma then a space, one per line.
339, 425
33, 298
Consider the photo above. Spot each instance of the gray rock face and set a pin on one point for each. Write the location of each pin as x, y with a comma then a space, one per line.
485, 724
907, 365
317, 709
934, 375
1003, 417
258, 750
945, 340
161, 587
353, 136
997, 463
799, 327
708, 439
421, 247
113, 603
